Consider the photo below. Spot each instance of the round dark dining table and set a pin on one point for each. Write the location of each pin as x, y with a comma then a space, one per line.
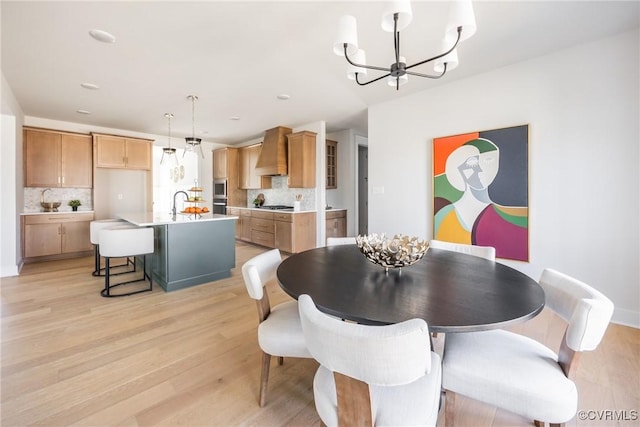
452, 292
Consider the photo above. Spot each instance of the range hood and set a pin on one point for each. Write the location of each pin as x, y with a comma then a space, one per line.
273, 155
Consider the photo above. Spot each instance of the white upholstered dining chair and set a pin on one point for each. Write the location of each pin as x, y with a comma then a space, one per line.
279, 331
372, 375
334, 241
487, 252
520, 375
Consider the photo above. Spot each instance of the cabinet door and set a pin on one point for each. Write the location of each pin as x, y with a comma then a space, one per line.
245, 217
42, 239
249, 178
283, 236
138, 154
42, 159
302, 159
110, 152
76, 237
220, 164
332, 164
77, 161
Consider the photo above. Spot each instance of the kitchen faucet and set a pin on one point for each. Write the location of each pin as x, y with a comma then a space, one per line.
42, 194
173, 211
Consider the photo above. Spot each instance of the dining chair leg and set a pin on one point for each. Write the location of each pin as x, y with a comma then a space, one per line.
538, 423
280, 360
449, 407
264, 378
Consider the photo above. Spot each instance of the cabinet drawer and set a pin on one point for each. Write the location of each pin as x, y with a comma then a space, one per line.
263, 238
335, 214
56, 219
264, 215
283, 217
260, 224
233, 212
245, 213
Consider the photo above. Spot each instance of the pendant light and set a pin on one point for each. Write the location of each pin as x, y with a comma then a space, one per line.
169, 156
193, 142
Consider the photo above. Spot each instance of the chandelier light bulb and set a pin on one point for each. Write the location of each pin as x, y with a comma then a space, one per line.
405, 15
347, 33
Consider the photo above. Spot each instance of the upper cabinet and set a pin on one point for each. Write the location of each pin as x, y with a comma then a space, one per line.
57, 159
226, 164
250, 178
332, 164
220, 169
120, 152
302, 159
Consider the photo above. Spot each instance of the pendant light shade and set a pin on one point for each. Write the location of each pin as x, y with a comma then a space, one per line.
403, 9
169, 156
358, 58
193, 142
461, 15
451, 59
347, 34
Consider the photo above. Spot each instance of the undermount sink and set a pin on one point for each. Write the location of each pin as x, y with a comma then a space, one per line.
50, 206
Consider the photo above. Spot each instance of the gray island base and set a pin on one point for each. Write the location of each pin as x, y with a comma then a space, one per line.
189, 251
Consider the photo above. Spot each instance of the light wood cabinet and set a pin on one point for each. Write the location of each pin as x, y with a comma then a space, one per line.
286, 231
302, 159
249, 176
336, 223
295, 232
332, 164
56, 236
220, 163
57, 159
117, 152
226, 165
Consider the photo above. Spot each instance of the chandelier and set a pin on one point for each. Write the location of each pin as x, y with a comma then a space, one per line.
193, 142
396, 16
170, 153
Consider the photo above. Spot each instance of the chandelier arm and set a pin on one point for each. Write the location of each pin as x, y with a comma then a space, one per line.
370, 81
437, 57
370, 67
396, 38
412, 73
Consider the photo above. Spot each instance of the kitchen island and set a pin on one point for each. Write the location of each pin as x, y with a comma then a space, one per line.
189, 249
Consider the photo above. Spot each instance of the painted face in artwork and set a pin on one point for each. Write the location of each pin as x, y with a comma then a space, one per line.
473, 165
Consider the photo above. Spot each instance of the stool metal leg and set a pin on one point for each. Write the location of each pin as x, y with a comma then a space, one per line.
106, 292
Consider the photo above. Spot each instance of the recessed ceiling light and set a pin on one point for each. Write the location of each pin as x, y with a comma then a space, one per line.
234, 118
283, 97
83, 112
90, 86
102, 36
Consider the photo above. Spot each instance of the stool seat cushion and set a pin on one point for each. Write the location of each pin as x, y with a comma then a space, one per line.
123, 241
96, 226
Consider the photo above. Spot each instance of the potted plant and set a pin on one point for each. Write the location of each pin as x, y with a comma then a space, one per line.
74, 204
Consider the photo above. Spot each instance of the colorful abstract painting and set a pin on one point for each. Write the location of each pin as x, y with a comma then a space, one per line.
480, 190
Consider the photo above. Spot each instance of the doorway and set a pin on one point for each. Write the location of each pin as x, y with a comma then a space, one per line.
363, 190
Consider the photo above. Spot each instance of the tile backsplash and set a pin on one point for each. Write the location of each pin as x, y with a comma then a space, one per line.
281, 194
32, 196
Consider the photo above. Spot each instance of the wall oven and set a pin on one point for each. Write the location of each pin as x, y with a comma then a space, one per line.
219, 206
219, 188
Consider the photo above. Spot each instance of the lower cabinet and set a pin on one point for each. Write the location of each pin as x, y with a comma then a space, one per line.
56, 235
287, 231
336, 223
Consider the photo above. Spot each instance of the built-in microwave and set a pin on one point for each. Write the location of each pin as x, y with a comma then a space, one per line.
220, 188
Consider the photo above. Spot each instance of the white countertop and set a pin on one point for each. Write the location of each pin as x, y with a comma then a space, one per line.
57, 213
143, 219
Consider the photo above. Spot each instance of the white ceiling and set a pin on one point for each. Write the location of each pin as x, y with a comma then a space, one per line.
238, 56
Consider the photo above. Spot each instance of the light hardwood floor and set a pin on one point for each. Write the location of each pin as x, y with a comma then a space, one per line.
191, 358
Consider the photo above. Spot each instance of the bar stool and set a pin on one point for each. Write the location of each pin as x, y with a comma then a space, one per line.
95, 228
126, 241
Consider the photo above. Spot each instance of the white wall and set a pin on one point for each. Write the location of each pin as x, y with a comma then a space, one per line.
11, 183
582, 107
